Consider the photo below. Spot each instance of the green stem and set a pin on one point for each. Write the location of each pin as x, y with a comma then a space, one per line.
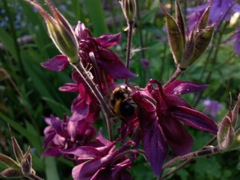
175, 75
129, 42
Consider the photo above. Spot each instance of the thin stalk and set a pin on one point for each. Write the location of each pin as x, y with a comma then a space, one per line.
205, 152
188, 160
93, 87
175, 75
129, 43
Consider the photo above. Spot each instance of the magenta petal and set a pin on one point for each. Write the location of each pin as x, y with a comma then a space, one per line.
84, 152
55, 152
69, 87
113, 65
107, 40
57, 63
194, 118
179, 87
177, 136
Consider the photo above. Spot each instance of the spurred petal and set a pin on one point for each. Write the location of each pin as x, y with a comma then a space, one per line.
53, 151
57, 63
107, 40
84, 152
194, 118
155, 146
154, 142
177, 136
112, 65
179, 87
69, 87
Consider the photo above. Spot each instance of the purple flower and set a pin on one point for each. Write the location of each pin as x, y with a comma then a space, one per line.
212, 107
220, 10
62, 135
103, 162
104, 57
160, 113
145, 63
85, 105
236, 39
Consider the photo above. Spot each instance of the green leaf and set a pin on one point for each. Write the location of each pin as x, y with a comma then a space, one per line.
96, 14
51, 168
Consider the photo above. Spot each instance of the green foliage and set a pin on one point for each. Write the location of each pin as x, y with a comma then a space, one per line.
28, 92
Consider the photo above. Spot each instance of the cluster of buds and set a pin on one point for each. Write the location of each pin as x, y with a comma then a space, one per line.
19, 168
228, 137
187, 49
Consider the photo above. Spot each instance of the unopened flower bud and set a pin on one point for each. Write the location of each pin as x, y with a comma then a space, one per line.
129, 9
60, 31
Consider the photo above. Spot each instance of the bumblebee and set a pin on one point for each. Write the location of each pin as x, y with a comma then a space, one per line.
121, 104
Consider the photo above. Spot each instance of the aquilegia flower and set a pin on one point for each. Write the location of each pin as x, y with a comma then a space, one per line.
103, 161
220, 10
160, 113
63, 135
236, 39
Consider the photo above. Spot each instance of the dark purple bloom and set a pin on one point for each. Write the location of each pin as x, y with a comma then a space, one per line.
105, 58
220, 10
62, 135
85, 105
160, 113
103, 162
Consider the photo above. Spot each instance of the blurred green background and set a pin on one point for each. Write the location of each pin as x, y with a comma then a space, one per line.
28, 92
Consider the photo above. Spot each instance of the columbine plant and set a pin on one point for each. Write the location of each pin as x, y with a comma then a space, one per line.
155, 127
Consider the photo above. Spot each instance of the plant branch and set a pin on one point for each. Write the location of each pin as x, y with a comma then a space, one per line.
175, 75
204, 152
129, 42
93, 87
188, 160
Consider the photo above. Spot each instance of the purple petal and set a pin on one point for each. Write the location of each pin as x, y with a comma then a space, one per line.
194, 118
179, 87
58, 126
112, 65
69, 87
107, 40
84, 152
86, 170
177, 136
155, 146
57, 63
55, 152
154, 143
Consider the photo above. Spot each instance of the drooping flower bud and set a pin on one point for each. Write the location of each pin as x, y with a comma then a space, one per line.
129, 9
60, 31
